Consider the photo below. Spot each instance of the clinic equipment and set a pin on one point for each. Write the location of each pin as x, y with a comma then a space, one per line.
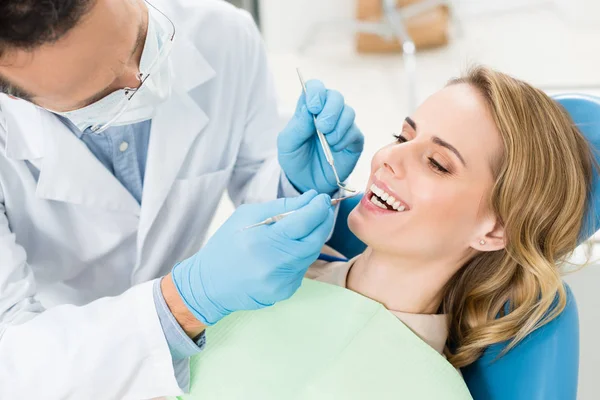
324, 144
279, 217
325, 342
544, 366
393, 25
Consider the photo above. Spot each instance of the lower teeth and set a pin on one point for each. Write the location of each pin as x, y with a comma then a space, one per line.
378, 203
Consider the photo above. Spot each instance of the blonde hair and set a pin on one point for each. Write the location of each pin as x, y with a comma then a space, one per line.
542, 183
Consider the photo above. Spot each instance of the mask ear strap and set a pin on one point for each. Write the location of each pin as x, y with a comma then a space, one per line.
99, 128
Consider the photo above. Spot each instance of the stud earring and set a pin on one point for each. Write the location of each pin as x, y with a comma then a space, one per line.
482, 242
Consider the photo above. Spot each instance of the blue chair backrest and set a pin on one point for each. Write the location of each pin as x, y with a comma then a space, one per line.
585, 112
545, 364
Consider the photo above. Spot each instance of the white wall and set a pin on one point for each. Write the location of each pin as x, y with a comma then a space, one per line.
581, 13
285, 23
476, 7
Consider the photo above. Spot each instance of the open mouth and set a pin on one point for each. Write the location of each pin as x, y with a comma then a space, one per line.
384, 200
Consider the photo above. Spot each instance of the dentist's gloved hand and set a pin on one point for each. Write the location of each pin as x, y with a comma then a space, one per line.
250, 269
300, 153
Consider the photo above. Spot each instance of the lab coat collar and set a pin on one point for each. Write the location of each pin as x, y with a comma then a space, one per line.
176, 126
190, 68
21, 121
69, 172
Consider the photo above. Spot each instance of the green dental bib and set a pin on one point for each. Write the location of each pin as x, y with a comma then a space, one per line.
325, 342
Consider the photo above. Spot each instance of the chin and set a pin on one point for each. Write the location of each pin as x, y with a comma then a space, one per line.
359, 225
372, 231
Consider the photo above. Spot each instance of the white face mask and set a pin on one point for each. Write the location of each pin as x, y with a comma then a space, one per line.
115, 109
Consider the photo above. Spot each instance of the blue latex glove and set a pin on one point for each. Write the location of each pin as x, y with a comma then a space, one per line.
300, 153
250, 269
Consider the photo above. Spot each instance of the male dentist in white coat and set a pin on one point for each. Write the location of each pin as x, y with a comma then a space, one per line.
122, 122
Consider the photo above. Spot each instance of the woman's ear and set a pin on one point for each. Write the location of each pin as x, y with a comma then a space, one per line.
493, 240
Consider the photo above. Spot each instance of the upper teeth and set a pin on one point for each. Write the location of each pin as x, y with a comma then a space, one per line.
388, 198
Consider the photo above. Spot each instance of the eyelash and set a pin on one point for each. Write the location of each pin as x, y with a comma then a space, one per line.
400, 138
434, 164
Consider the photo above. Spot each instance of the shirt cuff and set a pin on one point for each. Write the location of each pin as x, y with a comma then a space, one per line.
180, 344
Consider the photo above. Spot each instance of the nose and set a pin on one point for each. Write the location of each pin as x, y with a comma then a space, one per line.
389, 168
391, 159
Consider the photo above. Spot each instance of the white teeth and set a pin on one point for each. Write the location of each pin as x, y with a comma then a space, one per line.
377, 203
381, 205
386, 197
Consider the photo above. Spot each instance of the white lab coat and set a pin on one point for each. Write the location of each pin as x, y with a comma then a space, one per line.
77, 252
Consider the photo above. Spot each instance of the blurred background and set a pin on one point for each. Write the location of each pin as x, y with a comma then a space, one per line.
553, 44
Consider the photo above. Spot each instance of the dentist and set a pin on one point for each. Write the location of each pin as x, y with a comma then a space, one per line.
122, 123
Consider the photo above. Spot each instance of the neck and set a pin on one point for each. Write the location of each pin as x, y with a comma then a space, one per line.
400, 284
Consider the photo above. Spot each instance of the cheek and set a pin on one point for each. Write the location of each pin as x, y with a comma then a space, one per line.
446, 207
431, 196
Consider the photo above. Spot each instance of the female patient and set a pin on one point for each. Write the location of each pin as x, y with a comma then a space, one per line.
474, 205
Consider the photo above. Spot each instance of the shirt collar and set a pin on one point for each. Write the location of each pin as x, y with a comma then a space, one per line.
76, 131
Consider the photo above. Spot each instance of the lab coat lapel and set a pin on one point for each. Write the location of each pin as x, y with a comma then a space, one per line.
69, 172
174, 129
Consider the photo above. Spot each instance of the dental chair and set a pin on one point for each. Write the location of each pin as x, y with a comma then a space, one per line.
544, 366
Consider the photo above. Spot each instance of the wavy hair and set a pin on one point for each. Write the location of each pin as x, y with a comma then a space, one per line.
542, 182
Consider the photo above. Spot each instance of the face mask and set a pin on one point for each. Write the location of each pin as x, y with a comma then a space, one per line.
115, 109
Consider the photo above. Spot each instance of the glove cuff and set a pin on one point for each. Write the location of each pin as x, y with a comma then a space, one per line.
188, 281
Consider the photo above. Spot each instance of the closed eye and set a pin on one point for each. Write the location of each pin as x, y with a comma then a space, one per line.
437, 166
432, 162
400, 138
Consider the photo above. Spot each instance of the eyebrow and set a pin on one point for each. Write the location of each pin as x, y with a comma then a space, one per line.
139, 41
412, 123
438, 141
447, 145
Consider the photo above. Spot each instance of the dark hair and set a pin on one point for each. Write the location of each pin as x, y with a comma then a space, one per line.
26, 24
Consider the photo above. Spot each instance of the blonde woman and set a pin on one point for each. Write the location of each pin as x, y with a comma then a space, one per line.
473, 206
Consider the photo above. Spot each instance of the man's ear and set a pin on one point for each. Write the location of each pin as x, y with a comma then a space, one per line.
492, 240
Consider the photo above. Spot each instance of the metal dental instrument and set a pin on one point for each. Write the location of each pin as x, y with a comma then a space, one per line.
330, 161
279, 217
324, 144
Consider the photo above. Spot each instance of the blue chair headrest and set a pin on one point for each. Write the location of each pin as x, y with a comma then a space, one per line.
585, 112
